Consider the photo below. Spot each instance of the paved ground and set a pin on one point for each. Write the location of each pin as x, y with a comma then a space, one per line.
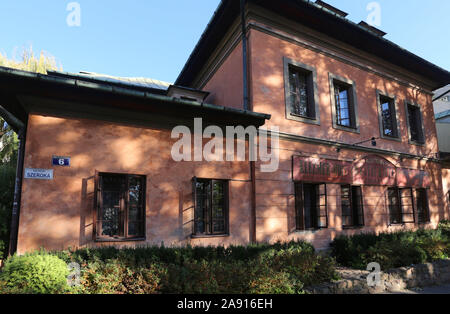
430, 290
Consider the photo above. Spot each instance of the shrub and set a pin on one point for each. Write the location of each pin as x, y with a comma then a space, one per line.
38, 273
391, 249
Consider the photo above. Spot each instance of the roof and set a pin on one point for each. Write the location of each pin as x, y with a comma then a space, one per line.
133, 82
112, 93
319, 18
441, 92
442, 115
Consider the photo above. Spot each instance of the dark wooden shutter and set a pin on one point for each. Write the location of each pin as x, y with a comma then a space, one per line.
322, 211
299, 216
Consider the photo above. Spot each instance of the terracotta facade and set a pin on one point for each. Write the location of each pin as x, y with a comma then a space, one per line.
58, 214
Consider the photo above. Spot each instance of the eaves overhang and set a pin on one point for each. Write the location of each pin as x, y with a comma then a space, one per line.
320, 19
15, 83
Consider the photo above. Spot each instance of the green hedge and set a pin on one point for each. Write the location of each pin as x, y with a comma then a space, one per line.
392, 250
39, 273
255, 269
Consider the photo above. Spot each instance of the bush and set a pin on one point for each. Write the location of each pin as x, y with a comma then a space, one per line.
257, 268
391, 249
38, 273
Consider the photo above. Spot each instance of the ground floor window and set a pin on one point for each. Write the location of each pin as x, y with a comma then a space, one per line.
211, 207
120, 207
311, 206
423, 211
352, 206
401, 205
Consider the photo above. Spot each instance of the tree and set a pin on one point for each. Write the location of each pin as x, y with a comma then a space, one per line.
9, 142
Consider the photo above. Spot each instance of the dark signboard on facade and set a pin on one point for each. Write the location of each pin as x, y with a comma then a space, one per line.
310, 169
371, 170
374, 170
413, 178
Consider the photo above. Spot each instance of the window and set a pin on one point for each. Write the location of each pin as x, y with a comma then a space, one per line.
301, 92
401, 206
423, 210
211, 207
311, 206
446, 98
415, 123
352, 206
388, 117
120, 207
344, 105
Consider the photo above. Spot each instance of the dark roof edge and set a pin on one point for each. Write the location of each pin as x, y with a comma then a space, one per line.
439, 75
126, 91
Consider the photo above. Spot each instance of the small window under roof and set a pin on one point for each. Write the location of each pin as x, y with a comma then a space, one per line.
331, 8
186, 93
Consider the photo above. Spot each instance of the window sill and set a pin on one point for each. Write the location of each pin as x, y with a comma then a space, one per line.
346, 129
416, 143
103, 240
299, 118
207, 236
391, 138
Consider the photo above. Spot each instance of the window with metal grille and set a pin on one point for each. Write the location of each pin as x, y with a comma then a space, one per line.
388, 117
423, 211
120, 210
401, 206
211, 207
415, 123
352, 206
300, 93
311, 206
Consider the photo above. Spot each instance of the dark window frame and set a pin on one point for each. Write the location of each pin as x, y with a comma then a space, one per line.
420, 126
427, 217
394, 113
208, 228
335, 80
352, 215
400, 206
299, 208
313, 98
124, 208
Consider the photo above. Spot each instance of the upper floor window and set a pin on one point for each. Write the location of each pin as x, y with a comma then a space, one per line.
120, 207
344, 105
415, 125
301, 92
210, 207
388, 116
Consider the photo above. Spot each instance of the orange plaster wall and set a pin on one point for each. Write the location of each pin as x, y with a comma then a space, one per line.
268, 96
275, 198
58, 214
225, 85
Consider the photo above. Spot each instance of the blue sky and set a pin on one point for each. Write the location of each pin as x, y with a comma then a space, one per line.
154, 38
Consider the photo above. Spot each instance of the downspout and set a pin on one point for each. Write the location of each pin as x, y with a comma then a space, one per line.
20, 128
244, 56
14, 232
252, 231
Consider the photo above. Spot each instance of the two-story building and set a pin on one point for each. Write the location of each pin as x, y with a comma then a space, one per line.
348, 113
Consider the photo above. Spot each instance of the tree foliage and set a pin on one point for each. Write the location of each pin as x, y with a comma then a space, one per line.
9, 142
